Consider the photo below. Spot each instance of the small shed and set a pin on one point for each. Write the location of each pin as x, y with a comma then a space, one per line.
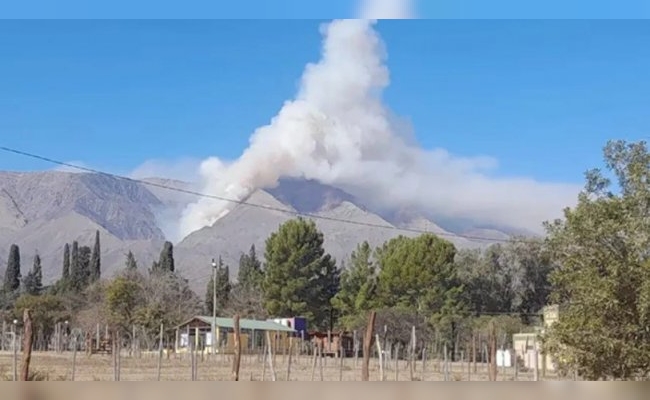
197, 331
528, 348
332, 343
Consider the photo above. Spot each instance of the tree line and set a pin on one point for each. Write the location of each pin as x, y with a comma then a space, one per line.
593, 263
81, 297
423, 281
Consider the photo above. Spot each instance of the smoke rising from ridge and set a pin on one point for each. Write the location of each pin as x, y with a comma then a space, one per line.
338, 131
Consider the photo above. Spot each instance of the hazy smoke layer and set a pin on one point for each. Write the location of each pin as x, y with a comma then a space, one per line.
337, 131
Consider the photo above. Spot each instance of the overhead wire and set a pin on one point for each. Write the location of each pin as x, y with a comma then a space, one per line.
205, 278
261, 206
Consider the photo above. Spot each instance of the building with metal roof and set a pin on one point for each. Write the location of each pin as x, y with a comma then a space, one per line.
196, 333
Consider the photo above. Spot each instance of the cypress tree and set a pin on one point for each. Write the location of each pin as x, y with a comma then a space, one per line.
37, 271
33, 282
85, 253
12, 273
66, 262
74, 261
95, 260
250, 272
209, 296
223, 284
131, 263
223, 287
166, 261
79, 266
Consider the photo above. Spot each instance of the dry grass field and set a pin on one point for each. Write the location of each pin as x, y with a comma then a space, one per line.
53, 366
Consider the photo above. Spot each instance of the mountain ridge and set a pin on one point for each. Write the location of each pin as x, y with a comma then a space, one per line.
41, 211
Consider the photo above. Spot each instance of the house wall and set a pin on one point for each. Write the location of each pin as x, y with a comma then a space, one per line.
251, 341
226, 343
551, 315
525, 345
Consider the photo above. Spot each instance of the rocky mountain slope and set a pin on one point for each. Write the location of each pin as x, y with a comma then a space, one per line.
41, 211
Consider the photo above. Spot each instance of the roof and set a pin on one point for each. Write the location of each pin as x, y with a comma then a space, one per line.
525, 335
248, 324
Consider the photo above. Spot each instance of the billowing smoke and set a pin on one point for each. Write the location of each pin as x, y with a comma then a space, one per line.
336, 121
338, 131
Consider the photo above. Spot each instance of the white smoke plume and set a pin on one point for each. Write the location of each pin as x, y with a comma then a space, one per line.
338, 131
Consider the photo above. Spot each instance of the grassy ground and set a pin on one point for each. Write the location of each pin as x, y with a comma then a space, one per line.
52, 366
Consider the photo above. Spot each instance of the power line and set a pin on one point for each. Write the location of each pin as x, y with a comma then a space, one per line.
244, 202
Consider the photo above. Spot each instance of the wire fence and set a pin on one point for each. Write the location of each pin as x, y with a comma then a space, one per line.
74, 354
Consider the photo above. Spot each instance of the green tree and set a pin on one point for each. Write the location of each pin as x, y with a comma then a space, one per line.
511, 277
66, 263
64, 284
488, 280
85, 253
250, 274
124, 297
166, 261
358, 288
33, 281
299, 279
80, 268
167, 257
12, 273
419, 274
95, 260
223, 288
602, 281
131, 263
530, 267
46, 309
75, 269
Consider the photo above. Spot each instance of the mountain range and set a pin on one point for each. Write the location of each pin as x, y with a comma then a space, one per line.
41, 211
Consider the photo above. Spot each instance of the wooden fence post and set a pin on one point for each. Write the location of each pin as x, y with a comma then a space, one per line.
367, 346
314, 361
342, 356
236, 360
492, 371
291, 342
271, 355
160, 351
74, 357
14, 348
397, 363
27, 346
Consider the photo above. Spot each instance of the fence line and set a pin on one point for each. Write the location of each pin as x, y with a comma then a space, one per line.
134, 356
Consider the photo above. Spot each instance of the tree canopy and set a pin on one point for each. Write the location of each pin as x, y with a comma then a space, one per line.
250, 274
223, 288
594, 263
300, 278
33, 281
95, 261
12, 273
358, 288
602, 282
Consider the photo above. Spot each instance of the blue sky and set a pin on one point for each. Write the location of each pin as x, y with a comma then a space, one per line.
321, 9
540, 96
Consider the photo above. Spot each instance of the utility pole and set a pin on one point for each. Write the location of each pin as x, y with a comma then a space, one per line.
214, 308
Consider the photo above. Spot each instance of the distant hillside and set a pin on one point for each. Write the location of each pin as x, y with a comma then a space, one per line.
41, 211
